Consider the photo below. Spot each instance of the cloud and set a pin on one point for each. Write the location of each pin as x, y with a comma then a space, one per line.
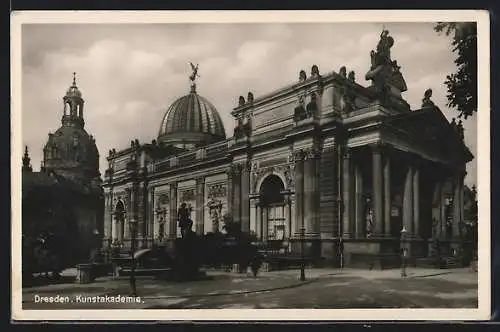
130, 74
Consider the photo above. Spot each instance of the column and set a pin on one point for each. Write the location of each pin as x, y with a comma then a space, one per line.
258, 219
172, 225
230, 192
112, 218
378, 203
237, 192
200, 205
287, 216
133, 216
253, 216
141, 210
265, 227
416, 200
151, 226
456, 206
408, 201
125, 228
346, 180
461, 207
360, 206
442, 209
245, 199
299, 191
310, 193
387, 197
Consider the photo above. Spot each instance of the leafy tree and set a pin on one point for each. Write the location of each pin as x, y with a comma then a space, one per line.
462, 85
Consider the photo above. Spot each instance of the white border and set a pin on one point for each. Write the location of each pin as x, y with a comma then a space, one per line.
483, 157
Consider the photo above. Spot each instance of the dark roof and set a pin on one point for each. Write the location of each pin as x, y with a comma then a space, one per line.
430, 126
51, 181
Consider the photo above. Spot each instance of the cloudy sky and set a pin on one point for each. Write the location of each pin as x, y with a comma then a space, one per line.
129, 74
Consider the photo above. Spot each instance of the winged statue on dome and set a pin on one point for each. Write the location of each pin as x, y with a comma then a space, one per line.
195, 72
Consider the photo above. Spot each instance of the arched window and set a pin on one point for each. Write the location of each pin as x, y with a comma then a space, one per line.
273, 208
120, 219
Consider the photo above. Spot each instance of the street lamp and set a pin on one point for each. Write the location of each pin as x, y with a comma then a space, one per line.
133, 229
302, 263
97, 245
404, 252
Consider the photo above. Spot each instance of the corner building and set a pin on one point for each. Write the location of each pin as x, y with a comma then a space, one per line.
67, 191
324, 155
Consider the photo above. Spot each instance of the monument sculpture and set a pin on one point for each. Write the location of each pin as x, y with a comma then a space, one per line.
185, 222
384, 73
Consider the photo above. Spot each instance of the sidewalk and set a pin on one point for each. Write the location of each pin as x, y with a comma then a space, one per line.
148, 288
230, 283
459, 275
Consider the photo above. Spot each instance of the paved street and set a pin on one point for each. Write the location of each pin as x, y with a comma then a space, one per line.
324, 288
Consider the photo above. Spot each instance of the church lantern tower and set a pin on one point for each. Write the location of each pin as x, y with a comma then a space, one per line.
71, 150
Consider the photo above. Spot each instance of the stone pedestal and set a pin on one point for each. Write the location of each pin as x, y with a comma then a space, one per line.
84, 274
372, 253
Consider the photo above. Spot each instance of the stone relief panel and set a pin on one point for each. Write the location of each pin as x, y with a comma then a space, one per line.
285, 171
187, 195
161, 212
279, 113
215, 206
120, 163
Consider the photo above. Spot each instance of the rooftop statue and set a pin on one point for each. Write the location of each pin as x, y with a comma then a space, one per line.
195, 72
302, 76
241, 101
384, 48
426, 101
343, 71
315, 71
352, 76
383, 71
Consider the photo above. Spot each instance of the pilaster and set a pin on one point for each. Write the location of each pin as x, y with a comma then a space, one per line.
245, 198
230, 191
172, 225
236, 171
200, 205
387, 196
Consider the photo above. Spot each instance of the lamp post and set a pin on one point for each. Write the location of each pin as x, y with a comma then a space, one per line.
96, 245
302, 263
404, 252
133, 229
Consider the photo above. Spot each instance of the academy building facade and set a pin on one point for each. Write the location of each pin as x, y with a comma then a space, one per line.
324, 156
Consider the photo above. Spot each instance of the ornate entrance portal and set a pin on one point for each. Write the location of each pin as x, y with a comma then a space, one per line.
274, 221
